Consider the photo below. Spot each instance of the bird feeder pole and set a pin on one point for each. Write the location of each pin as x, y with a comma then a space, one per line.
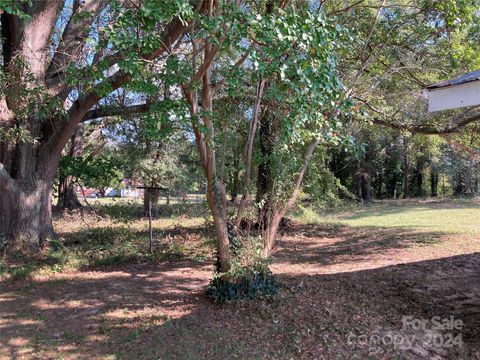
150, 230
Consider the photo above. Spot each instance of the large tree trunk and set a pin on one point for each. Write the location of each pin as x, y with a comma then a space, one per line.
26, 193
26, 184
32, 215
67, 196
26, 202
29, 165
34, 82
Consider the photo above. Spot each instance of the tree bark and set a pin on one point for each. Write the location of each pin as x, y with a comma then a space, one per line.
364, 181
26, 206
277, 211
216, 196
67, 196
32, 226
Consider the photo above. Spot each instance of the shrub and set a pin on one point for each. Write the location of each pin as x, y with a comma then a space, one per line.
249, 276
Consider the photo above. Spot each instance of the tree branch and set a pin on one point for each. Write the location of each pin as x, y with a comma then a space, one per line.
83, 105
345, 9
249, 149
299, 179
172, 33
71, 44
105, 111
237, 64
430, 130
472, 154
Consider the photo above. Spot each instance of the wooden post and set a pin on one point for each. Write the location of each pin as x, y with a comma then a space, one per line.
150, 230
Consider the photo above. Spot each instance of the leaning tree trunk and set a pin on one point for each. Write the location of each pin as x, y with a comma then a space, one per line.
67, 196
216, 196
278, 210
272, 221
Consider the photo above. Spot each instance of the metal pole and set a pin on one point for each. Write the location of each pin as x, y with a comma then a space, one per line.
150, 234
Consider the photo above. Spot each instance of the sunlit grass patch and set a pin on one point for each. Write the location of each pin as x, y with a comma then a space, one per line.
456, 217
116, 234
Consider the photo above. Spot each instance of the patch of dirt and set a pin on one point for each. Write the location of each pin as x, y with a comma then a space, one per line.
344, 293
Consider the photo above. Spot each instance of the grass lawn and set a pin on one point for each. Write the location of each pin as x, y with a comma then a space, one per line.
347, 279
455, 216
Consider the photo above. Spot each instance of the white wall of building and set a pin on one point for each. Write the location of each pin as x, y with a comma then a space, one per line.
454, 96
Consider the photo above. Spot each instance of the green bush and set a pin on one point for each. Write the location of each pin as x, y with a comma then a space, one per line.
249, 276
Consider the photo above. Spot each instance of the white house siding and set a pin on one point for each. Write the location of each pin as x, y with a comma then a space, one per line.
454, 96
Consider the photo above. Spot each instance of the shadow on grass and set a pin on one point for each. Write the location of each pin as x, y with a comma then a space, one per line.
149, 312
100, 247
337, 243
